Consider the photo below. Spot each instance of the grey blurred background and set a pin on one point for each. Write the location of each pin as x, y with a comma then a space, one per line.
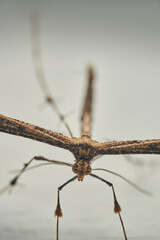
121, 40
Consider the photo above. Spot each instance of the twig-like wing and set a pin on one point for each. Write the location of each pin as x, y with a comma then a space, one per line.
16, 127
86, 117
130, 147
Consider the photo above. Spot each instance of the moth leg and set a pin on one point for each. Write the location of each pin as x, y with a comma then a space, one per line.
117, 208
58, 211
14, 181
39, 70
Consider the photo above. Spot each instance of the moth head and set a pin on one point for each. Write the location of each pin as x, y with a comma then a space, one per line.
81, 168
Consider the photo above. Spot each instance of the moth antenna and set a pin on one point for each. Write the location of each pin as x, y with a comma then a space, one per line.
126, 180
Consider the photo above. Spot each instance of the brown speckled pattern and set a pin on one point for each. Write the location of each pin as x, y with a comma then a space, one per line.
83, 148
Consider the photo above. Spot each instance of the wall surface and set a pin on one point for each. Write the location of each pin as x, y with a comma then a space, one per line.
121, 40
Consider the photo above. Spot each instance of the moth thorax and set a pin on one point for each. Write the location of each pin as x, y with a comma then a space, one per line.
81, 168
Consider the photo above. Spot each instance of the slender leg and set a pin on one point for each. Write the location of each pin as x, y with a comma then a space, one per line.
87, 108
117, 208
38, 65
58, 211
13, 182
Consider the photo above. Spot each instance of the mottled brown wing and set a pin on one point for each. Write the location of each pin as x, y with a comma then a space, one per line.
130, 147
16, 127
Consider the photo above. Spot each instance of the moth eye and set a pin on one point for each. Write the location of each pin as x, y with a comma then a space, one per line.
74, 168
